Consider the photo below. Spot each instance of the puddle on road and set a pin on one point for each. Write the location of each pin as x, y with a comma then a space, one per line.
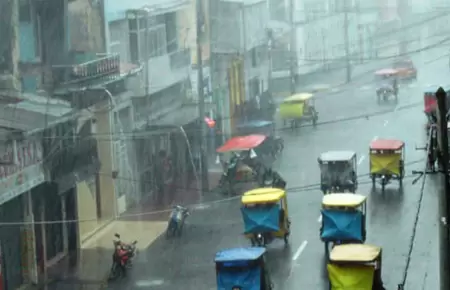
148, 283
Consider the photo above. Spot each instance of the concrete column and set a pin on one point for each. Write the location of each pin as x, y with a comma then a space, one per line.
28, 235
64, 225
44, 239
9, 46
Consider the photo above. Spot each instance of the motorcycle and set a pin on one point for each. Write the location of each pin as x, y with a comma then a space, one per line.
122, 262
176, 221
274, 182
261, 240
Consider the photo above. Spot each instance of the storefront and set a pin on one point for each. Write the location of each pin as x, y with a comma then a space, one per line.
17, 242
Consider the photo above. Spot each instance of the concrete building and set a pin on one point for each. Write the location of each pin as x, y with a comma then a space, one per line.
239, 47
57, 87
320, 39
164, 113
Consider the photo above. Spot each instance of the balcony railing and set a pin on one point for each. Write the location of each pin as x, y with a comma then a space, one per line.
180, 59
105, 67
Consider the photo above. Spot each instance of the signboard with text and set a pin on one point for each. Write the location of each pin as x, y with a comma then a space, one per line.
27, 173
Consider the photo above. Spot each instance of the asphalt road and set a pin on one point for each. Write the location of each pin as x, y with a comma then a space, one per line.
351, 120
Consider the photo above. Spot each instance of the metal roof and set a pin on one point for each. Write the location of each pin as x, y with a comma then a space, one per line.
337, 156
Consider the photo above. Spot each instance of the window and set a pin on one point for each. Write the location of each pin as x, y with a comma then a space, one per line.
25, 14
157, 44
254, 57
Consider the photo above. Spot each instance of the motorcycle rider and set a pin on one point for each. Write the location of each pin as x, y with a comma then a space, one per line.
121, 256
272, 176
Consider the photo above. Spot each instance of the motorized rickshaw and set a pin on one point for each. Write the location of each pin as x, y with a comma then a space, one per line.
241, 166
355, 266
386, 78
265, 215
338, 171
298, 108
275, 143
343, 219
242, 268
406, 69
387, 161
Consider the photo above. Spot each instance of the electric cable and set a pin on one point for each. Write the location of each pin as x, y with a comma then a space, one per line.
416, 218
297, 189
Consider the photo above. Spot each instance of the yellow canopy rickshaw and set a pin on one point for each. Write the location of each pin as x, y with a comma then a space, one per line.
387, 161
355, 266
297, 108
265, 215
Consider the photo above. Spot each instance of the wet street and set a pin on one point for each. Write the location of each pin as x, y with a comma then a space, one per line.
351, 119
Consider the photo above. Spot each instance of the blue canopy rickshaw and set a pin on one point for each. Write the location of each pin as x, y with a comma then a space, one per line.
242, 269
343, 219
265, 215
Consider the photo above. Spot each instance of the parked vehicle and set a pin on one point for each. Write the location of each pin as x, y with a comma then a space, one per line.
122, 258
176, 221
273, 144
242, 166
406, 69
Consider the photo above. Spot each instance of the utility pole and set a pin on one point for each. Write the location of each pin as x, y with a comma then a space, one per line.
347, 48
147, 53
204, 186
292, 48
441, 96
269, 47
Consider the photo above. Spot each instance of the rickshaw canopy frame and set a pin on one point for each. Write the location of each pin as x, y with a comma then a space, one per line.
355, 253
350, 200
263, 195
386, 144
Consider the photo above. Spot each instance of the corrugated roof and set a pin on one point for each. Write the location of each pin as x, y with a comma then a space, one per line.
30, 115
116, 9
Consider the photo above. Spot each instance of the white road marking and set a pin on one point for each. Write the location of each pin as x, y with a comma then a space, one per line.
319, 220
361, 159
299, 250
375, 138
385, 123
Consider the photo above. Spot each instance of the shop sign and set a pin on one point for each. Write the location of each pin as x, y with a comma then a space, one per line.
28, 173
28, 153
20, 182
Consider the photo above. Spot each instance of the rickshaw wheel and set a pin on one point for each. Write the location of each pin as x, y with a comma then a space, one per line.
327, 252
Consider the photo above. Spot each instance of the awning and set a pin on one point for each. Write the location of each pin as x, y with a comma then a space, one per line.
173, 120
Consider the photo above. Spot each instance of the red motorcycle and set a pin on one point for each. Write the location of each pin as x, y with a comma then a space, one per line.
122, 258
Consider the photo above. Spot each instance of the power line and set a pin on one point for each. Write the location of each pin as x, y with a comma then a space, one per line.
305, 188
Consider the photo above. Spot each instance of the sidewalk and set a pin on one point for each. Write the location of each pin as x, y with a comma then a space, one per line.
144, 223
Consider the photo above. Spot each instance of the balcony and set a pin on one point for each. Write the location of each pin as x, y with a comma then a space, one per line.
88, 71
180, 59
168, 70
